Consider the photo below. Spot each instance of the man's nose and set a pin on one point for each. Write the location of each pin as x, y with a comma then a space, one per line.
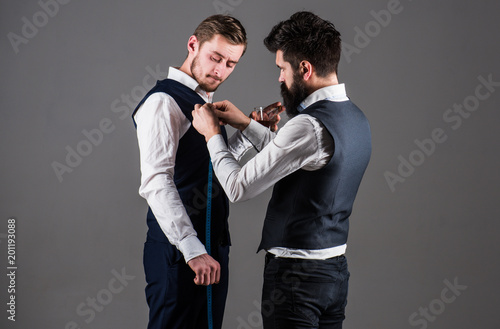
220, 69
281, 78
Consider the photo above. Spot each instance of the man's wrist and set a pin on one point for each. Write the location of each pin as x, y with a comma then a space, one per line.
242, 126
212, 134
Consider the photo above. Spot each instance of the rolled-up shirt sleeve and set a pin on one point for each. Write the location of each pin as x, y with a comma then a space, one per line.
160, 125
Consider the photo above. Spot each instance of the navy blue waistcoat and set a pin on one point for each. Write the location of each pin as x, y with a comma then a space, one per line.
311, 209
191, 172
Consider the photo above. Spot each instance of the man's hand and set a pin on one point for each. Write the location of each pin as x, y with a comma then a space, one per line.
206, 268
271, 111
205, 120
230, 114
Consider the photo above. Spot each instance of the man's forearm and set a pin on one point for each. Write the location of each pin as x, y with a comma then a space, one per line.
258, 135
173, 220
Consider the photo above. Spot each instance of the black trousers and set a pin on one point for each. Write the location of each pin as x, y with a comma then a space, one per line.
174, 301
300, 294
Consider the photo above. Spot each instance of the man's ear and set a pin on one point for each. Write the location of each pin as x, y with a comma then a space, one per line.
306, 70
193, 44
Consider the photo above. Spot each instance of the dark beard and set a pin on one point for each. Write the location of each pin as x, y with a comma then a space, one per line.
294, 96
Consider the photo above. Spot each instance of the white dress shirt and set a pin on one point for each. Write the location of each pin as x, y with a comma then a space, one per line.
160, 126
302, 143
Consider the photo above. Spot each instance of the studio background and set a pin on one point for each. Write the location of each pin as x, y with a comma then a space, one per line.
423, 249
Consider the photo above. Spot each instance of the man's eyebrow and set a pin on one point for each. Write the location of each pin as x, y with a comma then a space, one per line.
222, 56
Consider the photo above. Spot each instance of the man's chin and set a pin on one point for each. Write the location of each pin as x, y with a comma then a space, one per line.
211, 87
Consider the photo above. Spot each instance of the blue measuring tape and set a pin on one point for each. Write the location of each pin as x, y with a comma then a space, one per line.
207, 239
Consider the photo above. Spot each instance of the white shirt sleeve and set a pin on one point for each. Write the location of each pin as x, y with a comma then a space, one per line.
238, 145
258, 135
160, 125
302, 143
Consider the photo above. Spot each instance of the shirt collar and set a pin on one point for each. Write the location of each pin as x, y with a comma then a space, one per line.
188, 81
335, 93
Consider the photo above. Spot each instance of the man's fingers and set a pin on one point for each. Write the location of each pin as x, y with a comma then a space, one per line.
213, 274
223, 117
222, 105
200, 278
204, 278
210, 107
220, 114
206, 269
272, 106
217, 275
204, 107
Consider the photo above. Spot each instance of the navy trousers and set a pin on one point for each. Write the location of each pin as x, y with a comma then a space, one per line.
174, 301
300, 294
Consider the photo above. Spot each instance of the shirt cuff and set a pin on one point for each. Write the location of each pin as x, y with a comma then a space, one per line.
191, 247
216, 144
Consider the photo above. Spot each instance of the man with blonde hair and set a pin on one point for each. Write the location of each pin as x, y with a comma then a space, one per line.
187, 246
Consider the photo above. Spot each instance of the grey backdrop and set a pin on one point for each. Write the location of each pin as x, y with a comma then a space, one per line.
423, 248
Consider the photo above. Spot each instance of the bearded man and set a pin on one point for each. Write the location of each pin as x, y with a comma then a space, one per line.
315, 162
